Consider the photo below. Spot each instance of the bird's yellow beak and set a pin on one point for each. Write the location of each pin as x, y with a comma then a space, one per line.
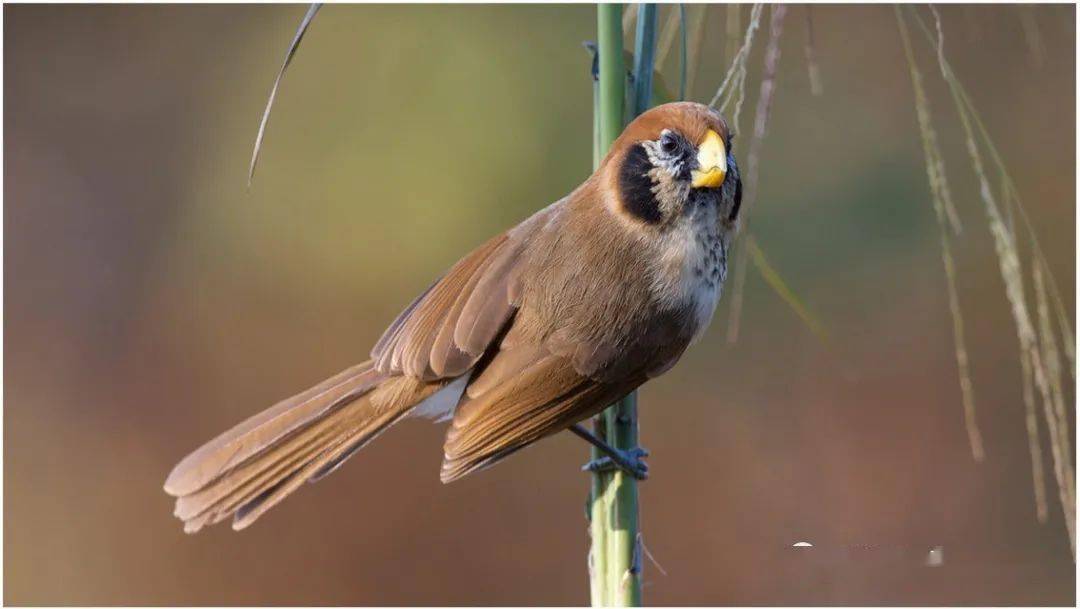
712, 162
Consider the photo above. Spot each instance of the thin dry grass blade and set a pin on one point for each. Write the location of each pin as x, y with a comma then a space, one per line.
1010, 193
738, 289
733, 87
1031, 423
810, 48
1052, 360
761, 118
1011, 196
1066, 334
765, 100
942, 203
1063, 471
304, 23
1005, 246
967, 392
780, 287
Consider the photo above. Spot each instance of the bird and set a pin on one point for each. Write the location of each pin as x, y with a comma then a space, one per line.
529, 334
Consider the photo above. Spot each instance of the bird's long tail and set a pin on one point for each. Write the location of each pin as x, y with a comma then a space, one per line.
253, 466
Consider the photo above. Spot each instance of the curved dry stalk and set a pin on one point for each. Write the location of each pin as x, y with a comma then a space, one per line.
738, 289
765, 101
736, 75
810, 49
1066, 332
300, 31
771, 277
1052, 361
1031, 424
944, 212
761, 118
1007, 251
1011, 196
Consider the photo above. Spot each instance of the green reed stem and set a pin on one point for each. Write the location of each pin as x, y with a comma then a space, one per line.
616, 554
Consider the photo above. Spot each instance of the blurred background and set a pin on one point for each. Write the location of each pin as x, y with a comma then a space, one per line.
153, 301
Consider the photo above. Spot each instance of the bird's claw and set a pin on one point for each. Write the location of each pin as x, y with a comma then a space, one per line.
630, 461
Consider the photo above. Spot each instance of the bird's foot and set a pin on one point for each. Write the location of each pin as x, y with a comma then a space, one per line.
630, 461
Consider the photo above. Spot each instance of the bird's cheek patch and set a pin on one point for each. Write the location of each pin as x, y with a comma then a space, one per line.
636, 188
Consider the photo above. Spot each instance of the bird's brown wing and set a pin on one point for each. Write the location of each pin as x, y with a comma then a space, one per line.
520, 405
524, 386
530, 390
445, 331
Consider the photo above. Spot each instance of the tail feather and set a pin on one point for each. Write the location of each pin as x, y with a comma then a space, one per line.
263, 430
272, 470
251, 468
344, 445
357, 442
232, 489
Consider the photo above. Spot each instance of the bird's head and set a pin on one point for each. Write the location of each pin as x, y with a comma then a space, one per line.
672, 159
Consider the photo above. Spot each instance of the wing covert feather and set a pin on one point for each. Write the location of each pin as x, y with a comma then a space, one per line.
446, 330
525, 404
406, 345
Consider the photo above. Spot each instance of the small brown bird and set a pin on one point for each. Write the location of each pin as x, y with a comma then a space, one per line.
537, 329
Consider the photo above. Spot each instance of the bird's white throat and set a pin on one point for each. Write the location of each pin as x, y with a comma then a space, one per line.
693, 266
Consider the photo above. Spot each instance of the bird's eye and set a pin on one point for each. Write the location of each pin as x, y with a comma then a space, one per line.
668, 143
